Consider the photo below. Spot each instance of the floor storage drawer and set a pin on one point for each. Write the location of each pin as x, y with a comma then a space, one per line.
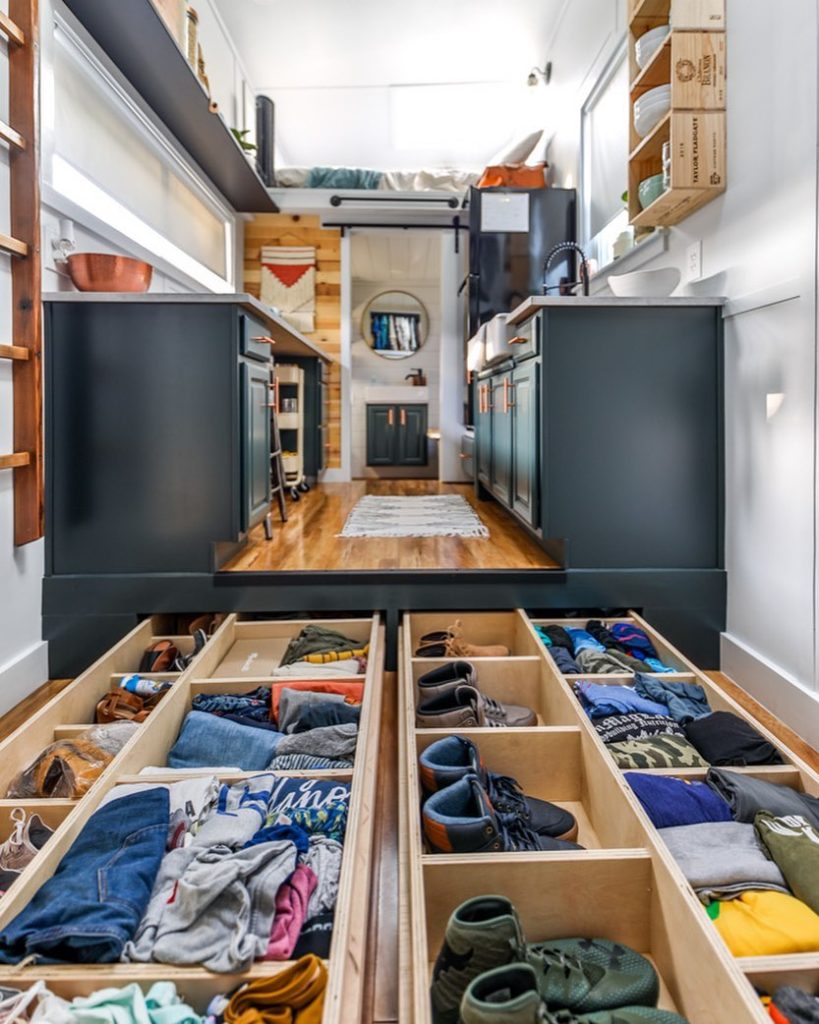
624, 885
237, 659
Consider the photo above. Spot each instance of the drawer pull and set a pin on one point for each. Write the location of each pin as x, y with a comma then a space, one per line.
519, 340
403, 417
390, 418
265, 338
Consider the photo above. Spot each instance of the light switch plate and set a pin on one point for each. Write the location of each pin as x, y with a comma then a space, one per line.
693, 261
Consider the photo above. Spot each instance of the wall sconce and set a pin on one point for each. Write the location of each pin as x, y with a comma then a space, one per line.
64, 244
538, 75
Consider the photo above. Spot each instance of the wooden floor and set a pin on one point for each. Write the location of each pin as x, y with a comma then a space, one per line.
308, 540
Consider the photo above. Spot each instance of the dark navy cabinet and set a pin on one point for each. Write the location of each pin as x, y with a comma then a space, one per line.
608, 442
157, 434
396, 435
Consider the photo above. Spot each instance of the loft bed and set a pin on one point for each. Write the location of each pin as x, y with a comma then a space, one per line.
363, 179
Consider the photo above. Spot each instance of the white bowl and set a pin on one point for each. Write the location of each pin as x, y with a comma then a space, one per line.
648, 118
662, 92
649, 43
645, 284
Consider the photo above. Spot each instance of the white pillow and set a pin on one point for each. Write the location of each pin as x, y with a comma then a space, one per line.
518, 151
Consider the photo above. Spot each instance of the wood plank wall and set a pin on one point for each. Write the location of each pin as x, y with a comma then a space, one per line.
296, 229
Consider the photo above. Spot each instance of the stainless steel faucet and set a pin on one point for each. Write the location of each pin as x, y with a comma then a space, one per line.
584, 268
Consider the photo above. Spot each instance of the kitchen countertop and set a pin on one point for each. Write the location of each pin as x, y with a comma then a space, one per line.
536, 302
289, 341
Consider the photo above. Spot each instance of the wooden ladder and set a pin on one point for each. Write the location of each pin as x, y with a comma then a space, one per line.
20, 29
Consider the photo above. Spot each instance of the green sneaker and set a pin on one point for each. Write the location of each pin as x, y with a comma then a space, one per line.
509, 995
585, 975
481, 934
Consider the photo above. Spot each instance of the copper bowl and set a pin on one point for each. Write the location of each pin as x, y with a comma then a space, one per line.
102, 272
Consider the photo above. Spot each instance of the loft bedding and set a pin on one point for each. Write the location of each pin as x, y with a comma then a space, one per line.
441, 180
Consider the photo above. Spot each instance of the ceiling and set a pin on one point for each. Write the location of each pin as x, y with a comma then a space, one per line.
336, 68
396, 256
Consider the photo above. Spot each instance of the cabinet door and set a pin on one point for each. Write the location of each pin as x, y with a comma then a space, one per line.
483, 430
255, 443
502, 437
412, 435
381, 435
525, 433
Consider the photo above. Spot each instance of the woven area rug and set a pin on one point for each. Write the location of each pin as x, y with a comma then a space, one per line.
433, 515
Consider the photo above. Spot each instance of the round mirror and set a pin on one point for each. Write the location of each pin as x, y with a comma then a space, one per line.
395, 325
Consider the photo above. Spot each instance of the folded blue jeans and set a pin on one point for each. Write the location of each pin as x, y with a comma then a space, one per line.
207, 740
93, 903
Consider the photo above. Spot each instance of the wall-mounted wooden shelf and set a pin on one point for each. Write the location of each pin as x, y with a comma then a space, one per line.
15, 461
11, 30
135, 37
692, 60
14, 352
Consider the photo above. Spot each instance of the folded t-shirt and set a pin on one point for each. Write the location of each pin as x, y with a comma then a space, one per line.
746, 796
669, 801
794, 845
766, 924
599, 700
721, 859
351, 692
726, 739
635, 726
656, 752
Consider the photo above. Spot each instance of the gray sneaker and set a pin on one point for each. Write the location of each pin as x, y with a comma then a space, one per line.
465, 707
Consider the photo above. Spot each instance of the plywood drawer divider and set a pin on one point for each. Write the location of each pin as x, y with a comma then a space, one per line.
213, 671
795, 772
625, 886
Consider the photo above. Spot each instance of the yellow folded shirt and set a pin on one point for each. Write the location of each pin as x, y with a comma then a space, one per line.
766, 924
329, 656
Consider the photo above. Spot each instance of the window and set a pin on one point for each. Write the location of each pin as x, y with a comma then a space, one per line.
104, 155
604, 158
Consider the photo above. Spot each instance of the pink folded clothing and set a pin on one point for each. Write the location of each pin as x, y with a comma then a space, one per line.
291, 909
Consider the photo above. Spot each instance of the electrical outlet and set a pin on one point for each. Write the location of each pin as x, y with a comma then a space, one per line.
693, 261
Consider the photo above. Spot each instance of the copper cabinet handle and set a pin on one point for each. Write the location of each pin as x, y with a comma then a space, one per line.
462, 456
510, 404
403, 417
518, 340
390, 418
265, 338
506, 405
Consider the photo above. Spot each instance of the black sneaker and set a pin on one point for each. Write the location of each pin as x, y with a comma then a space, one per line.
461, 819
449, 759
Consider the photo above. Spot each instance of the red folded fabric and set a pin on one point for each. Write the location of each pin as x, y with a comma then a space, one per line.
352, 692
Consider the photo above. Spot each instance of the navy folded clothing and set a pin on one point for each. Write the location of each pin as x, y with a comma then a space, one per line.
669, 802
255, 704
564, 661
685, 701
326, 713
726, 739
208, 741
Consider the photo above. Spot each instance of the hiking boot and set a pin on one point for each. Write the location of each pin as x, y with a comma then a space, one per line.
465, 707
461, 819
449, 643
441, 681
28, 837
586, 975
481, 933
509, 995
451, 758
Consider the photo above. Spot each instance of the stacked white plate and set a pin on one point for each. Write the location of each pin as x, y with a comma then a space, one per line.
651, 108
647, 45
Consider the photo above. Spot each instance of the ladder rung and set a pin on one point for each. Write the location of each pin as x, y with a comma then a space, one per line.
14, 138
15, 461
14, 352
13, 245
12, 30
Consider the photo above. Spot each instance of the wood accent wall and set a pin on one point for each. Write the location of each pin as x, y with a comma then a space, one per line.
297, 229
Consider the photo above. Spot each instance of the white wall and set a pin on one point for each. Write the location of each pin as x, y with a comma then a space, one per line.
759, 247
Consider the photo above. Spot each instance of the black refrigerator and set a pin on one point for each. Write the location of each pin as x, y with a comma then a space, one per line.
510, 234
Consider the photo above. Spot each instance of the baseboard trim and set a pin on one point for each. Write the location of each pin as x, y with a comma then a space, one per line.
779, 692
23, 675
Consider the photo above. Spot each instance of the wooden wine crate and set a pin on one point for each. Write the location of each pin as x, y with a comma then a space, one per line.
212, 672
624, 886
682, 14
694, 64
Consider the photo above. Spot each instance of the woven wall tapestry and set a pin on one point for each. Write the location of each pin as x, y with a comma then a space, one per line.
289, 283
